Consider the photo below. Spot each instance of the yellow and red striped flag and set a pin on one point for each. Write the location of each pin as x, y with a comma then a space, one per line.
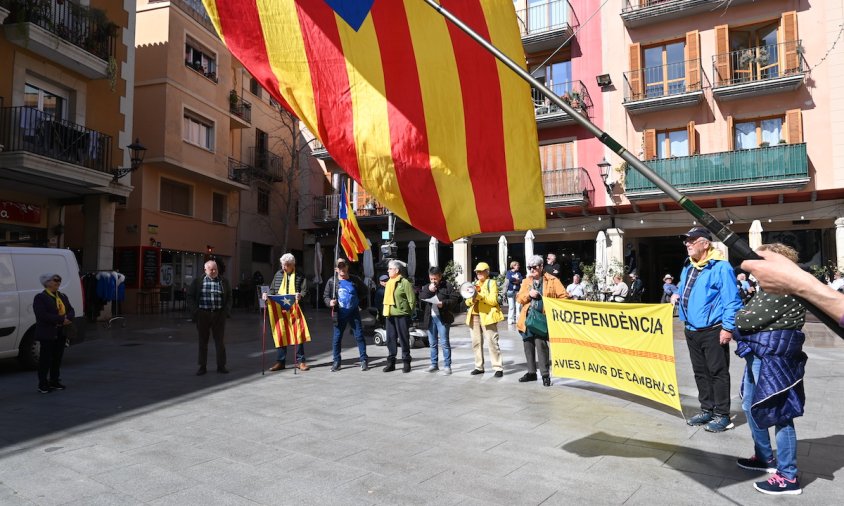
351, 236
408, 105
287, 321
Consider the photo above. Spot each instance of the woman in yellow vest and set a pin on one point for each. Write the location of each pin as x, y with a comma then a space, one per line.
482, 319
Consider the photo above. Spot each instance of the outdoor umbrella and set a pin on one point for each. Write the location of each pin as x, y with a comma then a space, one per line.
502, 254
755, 236
433, 252
368, 266
317, 263
411, 259
529, 237
601, 263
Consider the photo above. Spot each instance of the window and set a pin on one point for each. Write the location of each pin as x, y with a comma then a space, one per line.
199, 132
557, 161
176, 197
200, 59
219, 208
544, 15
254, 88
556, 156
758, 133
672, 143
261, 253
46, 101
263, 202
755, 52
665, 70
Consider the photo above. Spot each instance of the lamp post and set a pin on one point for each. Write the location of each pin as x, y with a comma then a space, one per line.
604, 165
137, 151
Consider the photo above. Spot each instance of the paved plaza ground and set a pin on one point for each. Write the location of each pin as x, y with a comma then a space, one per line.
136, 426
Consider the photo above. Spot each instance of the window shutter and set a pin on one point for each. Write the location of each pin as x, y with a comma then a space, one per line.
635, 74
788, 30
692, 141
722, 55
650, 144
692, 61
794, 126
731, 134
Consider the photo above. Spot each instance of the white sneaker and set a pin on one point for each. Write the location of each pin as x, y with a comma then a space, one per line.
447, 371
433, 368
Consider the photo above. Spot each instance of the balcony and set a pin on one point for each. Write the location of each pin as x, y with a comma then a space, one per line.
266, 165
204, 71
545, 26
636, 13
240, 109
669, 86
758, 71
326, 207
567, 187
760, 169
79, 38
318, 150
549, 114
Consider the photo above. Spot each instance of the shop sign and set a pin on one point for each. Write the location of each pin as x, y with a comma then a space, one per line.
16, 211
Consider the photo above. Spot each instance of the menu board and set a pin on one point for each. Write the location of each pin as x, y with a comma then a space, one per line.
150, 266
126, 262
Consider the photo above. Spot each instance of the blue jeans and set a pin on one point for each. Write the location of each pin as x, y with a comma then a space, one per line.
281, 353
785, 434
438, 333
351, 318
513, 307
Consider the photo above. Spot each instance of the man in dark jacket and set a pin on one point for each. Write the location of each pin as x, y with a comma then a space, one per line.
437, 318
53, 314
209, 300
345, 301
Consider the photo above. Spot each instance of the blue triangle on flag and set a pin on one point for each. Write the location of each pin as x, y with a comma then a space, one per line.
354, 12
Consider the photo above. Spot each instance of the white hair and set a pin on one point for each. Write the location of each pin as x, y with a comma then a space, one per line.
397, 264
287, 258
210, 262
535, 260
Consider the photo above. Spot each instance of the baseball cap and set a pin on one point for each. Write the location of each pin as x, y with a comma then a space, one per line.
383, 277
696, 232
667, 276
341, 261
482, 266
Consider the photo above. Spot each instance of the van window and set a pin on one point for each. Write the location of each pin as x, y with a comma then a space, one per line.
7, 273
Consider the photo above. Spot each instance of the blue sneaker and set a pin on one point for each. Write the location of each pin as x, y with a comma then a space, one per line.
719, 423
701, 418
754, 463
779, 485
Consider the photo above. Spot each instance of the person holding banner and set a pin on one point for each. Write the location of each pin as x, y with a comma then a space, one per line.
399, 301
286, 282
708, 303
770, 339
482, 319
344, 294
538, 285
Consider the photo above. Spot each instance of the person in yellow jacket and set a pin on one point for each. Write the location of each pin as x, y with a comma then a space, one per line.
482, 319
399, 301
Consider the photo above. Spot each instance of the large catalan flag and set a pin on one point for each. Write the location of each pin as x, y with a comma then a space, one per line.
287, 321
351, 236
407, 104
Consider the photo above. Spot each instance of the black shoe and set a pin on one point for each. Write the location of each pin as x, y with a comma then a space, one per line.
391, 366
405, 367
201, 371
529, 376
335, 367
44, 389
364, 366
222, 370
55, 385
475, 372
546, 381
498, 374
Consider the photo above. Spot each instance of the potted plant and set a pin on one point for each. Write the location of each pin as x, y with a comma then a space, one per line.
233, 98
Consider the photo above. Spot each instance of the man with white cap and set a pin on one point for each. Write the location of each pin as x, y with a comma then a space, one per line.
482, 319
668, 288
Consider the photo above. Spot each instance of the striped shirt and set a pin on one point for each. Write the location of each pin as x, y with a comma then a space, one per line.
211, 295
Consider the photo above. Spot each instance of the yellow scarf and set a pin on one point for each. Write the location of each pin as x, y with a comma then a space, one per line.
711, 254
288, 286
390, 294
59, 303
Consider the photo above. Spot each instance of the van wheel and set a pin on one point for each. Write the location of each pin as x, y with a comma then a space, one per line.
29, 351
378, 339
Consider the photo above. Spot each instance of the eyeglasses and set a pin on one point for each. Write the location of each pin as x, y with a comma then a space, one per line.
693, 241
57, 280
534, 266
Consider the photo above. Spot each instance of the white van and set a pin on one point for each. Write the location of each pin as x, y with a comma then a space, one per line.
20, 269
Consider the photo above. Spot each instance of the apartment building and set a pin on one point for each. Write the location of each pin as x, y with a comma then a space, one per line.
65, 123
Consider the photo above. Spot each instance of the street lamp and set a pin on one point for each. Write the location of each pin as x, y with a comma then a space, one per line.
136, 156
604, 165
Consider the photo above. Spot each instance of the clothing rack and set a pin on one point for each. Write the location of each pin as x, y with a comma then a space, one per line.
101, 288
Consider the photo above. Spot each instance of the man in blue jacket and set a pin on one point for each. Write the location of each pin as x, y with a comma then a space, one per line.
708, 302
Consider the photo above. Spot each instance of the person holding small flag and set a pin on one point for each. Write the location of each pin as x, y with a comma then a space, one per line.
344, 293
286, 282
399, 301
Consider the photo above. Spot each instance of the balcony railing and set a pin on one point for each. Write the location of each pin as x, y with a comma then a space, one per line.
239, 107
545, 17
267, 165
326, 207
567, 186
758, 64
574, 93
201, 70
781, 166
84, 27
34, 131
637, 13
663, 80
240, 172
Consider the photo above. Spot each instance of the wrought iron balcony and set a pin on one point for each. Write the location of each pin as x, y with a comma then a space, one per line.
637, 13
758, 70
326, 207
549, 114
318, 149
663, 87
240, 172
62, 32
267, 165
567, 187
240, 108
545, 25
30, 130
765, 168
210, 74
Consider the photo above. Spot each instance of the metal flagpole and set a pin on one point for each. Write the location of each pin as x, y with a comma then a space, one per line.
344, 194
723, 233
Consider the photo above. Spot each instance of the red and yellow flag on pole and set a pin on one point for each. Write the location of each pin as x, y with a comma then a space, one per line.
287, 321
408, 105
351, 236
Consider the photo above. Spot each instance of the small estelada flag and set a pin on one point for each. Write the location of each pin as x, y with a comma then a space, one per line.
287, 321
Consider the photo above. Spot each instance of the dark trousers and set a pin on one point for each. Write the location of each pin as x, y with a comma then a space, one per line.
50, 359
711, 365
207, 323
281, 353
536, 347
398, 329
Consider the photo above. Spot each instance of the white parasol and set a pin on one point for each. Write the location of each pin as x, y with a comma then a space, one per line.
411, 259
502, 254
433, 252
317, 263
529, 237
